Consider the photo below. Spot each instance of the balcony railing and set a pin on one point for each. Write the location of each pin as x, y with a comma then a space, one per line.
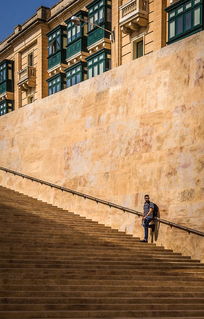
27, 77
133, 15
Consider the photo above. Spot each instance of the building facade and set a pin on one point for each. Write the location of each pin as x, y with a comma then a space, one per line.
52, 51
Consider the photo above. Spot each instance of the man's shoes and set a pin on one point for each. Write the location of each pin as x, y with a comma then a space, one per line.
143, 241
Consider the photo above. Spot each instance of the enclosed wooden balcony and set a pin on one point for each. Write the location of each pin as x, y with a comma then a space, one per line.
133, 15
6, 80
27, 78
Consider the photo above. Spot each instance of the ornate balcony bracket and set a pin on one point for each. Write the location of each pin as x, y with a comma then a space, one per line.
133, 15
27, 78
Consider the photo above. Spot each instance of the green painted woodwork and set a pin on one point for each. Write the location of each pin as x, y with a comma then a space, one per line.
56, 83
57, 40
54, 60
76, 35
6, 106
74, 48
185, 17
76, 74
75, 32
95, 36
99, 13
98, 63
3, 87
6, 76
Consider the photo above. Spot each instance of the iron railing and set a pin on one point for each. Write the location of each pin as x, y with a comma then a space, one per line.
104, 202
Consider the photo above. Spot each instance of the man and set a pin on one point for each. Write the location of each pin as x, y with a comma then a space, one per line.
148, 216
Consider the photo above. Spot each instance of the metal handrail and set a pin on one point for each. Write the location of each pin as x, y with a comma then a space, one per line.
104, 202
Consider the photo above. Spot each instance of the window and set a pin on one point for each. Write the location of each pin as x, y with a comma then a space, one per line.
5, 107
56, 84
3, 72
75, 74
98, 13
74, 32
30, 59
185, 18
138, 49
98, 63
57, 40
54, 43
6, 76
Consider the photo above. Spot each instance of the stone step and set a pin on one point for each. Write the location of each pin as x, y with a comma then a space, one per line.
53, 248
48, 215
55, 264
110, 314
42, 234
155, 266
98, 274
61, 287
94, 252
98, 260
68, 240
119, 317
31, 219
102, 254
102, 300
103, 307
37, 271
139, 247
99, 254
47, 222
129, 293
157, 281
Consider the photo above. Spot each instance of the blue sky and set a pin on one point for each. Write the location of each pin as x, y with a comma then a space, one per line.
14, 12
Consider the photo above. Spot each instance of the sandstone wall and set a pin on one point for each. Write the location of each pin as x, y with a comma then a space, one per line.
134, 130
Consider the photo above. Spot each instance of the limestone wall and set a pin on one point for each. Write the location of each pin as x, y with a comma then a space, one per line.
134, 130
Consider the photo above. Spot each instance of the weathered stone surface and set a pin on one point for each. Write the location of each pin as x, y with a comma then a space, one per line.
134, 130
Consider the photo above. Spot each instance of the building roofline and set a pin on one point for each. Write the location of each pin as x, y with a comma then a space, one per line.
20, 28
14, 36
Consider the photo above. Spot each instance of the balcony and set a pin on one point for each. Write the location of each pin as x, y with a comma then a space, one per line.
133, 15
77, 51
98, 39
6, 106
57, 62
6, 80
6, 90
27, 78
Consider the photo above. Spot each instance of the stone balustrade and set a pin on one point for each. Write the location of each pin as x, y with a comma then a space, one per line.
27, 78
133, 15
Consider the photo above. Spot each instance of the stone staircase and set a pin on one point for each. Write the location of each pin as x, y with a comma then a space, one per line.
55, 264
